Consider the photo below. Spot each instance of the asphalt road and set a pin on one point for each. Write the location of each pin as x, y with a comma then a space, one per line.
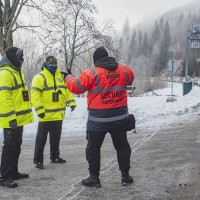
165, 165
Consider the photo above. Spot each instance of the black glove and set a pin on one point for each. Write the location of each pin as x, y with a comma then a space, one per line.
13, 123
41, 115
64, 74
72, 107
69, 71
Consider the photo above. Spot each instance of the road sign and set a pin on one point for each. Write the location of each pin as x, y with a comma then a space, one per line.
174, 65
195, 36
195, 44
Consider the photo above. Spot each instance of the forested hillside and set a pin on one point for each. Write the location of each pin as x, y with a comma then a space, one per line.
69, 31
148, 46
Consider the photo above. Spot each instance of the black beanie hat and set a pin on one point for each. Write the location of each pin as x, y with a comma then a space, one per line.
51, 60
99, 53
14, 55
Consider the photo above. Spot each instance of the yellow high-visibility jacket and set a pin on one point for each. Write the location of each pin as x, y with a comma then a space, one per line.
12, 103
44, 87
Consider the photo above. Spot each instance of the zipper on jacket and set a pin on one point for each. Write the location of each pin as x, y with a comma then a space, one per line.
54, 79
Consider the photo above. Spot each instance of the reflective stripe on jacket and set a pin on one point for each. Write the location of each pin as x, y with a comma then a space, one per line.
107, 95
12, 104
44, 86
106, 89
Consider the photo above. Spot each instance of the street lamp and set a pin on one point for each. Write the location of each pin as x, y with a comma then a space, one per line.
193, 42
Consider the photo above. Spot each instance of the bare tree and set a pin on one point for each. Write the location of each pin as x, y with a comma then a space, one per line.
9, 19
33, 55
71, 30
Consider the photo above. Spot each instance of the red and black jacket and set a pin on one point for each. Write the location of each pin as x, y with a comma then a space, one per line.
106, 84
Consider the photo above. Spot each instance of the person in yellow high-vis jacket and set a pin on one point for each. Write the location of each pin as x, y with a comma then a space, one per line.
15, 112
49, 97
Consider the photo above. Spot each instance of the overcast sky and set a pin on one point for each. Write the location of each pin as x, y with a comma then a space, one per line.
134, 10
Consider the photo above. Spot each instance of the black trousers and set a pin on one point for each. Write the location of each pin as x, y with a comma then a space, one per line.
93, 150
54, 128
10, 152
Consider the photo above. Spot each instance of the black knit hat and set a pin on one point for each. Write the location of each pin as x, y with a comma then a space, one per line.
99, 53
14, 55
51, 60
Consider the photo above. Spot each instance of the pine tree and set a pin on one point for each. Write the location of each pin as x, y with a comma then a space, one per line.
145, 45
132, 47
139, 47
126, 30
164, 48
155, 38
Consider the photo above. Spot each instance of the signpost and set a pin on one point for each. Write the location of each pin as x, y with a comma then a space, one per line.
172, 64
193, 42
195, 36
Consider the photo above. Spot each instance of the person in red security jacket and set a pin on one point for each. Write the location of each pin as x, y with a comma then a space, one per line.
106, 84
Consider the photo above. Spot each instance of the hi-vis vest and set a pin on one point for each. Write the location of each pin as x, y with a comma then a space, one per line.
106, 89
13, 105
44, 87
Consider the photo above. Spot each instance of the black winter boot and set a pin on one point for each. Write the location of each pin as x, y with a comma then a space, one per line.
39, 165
126, 179
19, 176
8, 183
91, 181
58, 160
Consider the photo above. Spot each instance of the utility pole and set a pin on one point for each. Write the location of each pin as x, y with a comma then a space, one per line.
193, 42
187, 54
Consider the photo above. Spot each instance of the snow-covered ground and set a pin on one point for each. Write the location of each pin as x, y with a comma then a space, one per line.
150, 111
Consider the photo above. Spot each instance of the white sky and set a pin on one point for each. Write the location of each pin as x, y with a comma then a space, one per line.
152, 112
134, 10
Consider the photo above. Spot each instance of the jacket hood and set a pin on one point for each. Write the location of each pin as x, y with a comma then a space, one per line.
15, 56
6, 62
107, 62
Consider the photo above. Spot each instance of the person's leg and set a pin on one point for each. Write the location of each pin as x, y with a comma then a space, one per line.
93, 150
14, 171
93, 156
54, 138
18, 140
8, 152
123, 149
8, 157
40, 142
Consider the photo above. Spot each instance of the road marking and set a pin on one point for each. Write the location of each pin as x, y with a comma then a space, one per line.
77, 189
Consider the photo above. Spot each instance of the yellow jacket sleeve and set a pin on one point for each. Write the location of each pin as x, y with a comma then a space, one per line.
36, 93
7, 110
70, 98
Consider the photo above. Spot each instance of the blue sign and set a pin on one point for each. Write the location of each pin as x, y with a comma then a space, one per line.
172, 64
